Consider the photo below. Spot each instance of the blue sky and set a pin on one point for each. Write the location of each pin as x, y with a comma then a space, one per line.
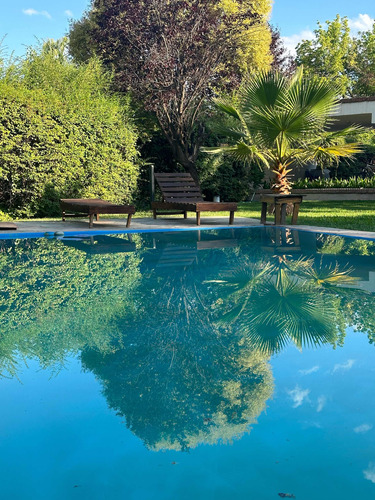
297, 19
22, 21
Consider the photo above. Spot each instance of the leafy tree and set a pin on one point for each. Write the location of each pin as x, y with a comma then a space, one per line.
335, 55
280, 121
62, 134
330, 54
364, 66
174, 54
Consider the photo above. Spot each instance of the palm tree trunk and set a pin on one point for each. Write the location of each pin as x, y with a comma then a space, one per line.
281, 182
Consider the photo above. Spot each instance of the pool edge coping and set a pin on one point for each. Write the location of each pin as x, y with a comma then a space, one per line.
345, 233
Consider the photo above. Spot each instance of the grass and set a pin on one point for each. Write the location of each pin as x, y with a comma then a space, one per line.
356, 215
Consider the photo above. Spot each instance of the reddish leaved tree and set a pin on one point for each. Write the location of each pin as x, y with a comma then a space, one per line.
173, 55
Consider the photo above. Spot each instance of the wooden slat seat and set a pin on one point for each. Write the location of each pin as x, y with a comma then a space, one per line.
181, 194
76, 207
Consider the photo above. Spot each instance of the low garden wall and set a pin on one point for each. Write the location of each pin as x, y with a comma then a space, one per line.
328, 194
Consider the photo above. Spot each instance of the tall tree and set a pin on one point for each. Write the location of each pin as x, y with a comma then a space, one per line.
330, 54
282, 60
174, 54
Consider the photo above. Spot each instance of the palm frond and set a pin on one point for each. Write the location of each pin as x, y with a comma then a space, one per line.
315, 94
265, 89
228, 109
330, 275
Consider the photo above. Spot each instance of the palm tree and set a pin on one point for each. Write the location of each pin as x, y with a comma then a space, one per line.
279, 122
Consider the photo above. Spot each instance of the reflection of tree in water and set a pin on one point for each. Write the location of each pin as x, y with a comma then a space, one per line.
55, 299
192, 365
177, 379
183, 355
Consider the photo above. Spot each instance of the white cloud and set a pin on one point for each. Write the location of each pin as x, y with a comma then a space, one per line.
344, 366
292, 41
321, 403
33, 12
361, 23
68, 13
361, 429
309, 370
369, 473
298, 396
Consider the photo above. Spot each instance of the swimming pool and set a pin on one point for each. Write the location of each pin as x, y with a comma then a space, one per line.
221, 364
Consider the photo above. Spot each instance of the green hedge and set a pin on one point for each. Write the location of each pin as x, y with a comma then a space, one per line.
352, 182
62, 135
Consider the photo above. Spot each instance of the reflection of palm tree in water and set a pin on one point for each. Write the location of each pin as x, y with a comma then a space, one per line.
271, 304
177, 378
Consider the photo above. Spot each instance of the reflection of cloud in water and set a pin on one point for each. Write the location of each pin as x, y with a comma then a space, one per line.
298, 396
321, 403
311, 424
344, 366
369, 473
361, 429
309, 371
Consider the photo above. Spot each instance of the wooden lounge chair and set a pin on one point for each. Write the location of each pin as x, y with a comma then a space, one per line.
181, 194
93, 207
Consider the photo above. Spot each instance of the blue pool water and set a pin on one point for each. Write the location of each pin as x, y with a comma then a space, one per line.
229, 364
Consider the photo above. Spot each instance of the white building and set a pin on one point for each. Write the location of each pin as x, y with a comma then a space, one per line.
357, 111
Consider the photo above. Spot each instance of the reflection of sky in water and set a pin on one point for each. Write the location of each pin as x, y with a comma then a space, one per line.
331, 432
60, 437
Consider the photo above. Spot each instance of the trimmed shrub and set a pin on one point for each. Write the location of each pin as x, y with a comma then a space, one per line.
62, 135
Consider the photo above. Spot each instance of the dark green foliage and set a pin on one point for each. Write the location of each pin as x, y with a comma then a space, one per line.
219, 175
62, 135
356, 166
232, 180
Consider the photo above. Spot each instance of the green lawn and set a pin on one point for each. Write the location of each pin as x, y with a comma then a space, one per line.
357, 215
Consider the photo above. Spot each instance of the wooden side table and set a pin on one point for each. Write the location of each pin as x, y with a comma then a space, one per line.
280, 202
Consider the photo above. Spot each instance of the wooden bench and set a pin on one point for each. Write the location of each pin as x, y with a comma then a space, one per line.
280, 202
181, 194
93, 207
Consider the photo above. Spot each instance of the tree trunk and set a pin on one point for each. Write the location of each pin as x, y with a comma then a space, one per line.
190, 167
281, 183
186, 160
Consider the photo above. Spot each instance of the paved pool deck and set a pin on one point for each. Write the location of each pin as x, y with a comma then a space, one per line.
40, 227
